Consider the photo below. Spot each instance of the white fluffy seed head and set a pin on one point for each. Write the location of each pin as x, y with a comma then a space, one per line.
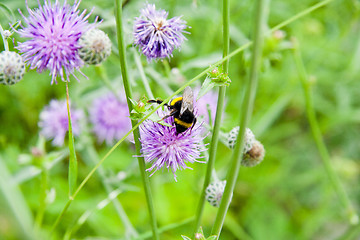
12, 68
95, 46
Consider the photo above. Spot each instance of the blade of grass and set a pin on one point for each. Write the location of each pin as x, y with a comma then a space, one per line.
83, 218
90, 156
73, 168
15, 202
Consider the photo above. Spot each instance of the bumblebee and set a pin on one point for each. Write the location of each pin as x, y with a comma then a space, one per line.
182, 109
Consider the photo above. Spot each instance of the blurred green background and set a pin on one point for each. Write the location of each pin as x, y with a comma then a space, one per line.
288, 196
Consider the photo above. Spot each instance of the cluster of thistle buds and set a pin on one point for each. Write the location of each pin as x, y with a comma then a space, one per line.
254, 151
218, 76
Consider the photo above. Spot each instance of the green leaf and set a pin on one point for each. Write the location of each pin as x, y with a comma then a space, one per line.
13, 200
211, 237
206, 87
73, 167
185, 237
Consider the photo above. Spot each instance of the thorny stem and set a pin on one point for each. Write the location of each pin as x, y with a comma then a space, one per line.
219, 112
316, 132
245, 115
200, 75
136, 133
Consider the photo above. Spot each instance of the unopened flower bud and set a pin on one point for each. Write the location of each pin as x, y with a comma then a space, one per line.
12, 68
254, 156
249, 138
95, 46
214, 192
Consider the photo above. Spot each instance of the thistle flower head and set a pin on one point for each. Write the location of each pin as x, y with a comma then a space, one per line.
12, 68
110, 118
53, 32
95, 46
163, 147
214, 192
249, 138
157, 36
54, 124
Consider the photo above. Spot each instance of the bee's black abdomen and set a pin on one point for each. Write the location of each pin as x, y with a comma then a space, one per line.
187, 116
180, 129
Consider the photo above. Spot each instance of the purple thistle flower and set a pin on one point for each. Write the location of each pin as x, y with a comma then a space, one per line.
110, 118
155, 35
53, 33
54, 123
164, 147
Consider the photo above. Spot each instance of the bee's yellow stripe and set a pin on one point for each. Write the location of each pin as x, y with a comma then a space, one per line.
182, 123
175, 100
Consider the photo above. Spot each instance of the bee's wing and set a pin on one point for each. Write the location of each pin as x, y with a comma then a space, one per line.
187, 100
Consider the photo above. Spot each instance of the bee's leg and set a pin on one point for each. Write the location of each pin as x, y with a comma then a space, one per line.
194, 122
158, 102
172, 113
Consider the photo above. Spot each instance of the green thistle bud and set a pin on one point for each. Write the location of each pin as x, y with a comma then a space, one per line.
12, 68
214, 192
218, 77
95, 46
249, 138
254, 156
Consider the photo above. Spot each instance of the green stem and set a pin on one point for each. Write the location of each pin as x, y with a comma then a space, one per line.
144, 176
245, 116
142, 74
316, 132
91, 155
219, 112
200, 75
